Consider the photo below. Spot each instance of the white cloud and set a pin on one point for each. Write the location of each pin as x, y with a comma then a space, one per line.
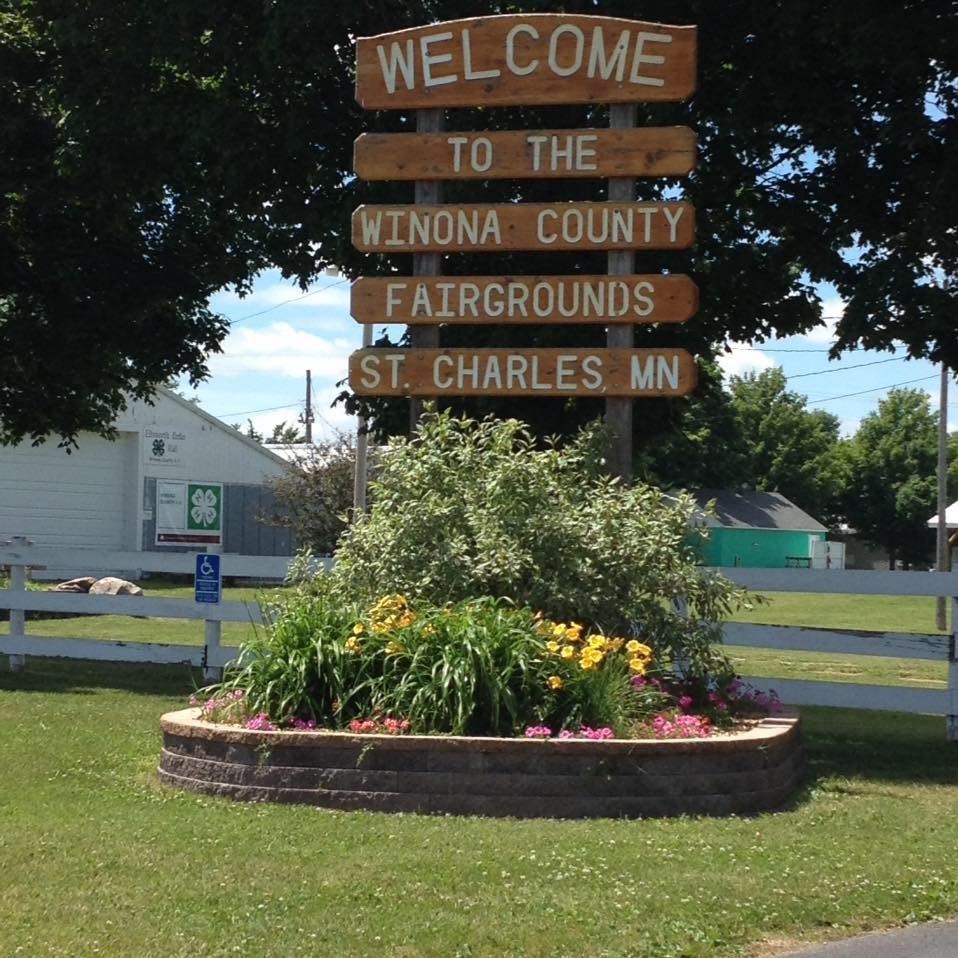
282, 350
832, 310
744, 359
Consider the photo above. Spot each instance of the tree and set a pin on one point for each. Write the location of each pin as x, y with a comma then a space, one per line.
695, 442
788, 448
892, 487
153, 153
315, 494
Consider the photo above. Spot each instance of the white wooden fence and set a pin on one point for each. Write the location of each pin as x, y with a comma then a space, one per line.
212, 656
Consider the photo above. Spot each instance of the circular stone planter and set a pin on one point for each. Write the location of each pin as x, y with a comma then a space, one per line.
739, 773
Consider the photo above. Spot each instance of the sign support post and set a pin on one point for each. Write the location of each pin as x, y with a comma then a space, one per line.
618, 411
428, 192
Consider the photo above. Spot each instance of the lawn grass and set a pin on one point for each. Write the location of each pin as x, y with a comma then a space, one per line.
99, 859
874, 613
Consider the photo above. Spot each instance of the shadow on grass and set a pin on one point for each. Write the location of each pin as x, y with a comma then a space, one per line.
878, 746
79, 677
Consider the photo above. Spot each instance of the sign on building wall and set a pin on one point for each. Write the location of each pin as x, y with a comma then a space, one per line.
164, 448
189, 513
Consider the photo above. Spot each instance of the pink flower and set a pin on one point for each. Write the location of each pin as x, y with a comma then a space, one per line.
685, 703
260, 723
538, 731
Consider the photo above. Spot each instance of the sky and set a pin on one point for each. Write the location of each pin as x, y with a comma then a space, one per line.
279, 331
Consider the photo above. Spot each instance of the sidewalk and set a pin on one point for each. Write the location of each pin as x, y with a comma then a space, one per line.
935, 940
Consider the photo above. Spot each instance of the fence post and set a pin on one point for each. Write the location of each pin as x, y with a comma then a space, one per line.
18, 617
213, 630
951, 730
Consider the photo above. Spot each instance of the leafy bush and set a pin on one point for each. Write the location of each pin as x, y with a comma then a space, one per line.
315, 493
466, 509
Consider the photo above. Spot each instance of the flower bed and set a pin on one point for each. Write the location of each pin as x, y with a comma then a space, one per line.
740, 772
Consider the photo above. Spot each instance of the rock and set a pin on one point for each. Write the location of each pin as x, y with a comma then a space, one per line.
111, 585
74, 585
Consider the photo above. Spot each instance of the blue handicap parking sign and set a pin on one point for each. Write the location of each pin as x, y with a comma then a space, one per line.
207, 579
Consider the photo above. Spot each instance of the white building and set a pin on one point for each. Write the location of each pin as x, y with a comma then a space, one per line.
174, 478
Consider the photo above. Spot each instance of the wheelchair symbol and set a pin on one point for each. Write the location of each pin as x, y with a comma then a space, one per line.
206, 567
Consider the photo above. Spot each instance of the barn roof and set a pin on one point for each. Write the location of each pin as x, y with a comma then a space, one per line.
755, 510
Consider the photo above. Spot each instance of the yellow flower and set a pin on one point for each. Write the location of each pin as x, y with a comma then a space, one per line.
575, 632
555, 682
359, 628
597, 642
552, 645
429, 631
592, 656
353, 644
637, 666
638, 648
394, 648
616, 644
558, 630
567, 652
587, 664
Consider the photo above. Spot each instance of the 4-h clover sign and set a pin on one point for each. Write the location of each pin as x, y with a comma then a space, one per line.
189, 513
204, 507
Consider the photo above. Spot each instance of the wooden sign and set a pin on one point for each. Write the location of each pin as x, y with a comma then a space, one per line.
536, 154
526, 59
468, 300
526, 226
514, 372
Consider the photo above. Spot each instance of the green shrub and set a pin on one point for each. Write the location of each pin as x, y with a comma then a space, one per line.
466, 509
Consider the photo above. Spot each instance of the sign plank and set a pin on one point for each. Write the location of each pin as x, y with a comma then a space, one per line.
522, 226
515, 372
501, 300
533, 154
526, 59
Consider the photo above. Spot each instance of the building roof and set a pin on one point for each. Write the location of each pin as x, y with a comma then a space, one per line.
951, 518
755, 510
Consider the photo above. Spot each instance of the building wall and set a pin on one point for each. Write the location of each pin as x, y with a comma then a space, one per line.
97, 495
756, 548
84, 497
246, 526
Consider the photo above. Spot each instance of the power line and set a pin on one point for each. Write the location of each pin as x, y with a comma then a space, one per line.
876, 389
841, 369
250, 412
286, 302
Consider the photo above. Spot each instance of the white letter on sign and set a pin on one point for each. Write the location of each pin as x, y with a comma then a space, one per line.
370, 366
511, 50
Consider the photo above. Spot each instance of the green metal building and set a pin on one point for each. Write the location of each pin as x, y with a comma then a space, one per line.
756, 530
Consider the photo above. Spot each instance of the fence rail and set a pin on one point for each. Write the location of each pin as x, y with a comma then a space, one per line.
20, 557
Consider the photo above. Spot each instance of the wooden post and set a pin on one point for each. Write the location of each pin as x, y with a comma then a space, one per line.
361, 467
428, 192
18, 583
618, 412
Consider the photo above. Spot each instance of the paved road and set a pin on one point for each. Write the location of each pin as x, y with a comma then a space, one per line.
936, 940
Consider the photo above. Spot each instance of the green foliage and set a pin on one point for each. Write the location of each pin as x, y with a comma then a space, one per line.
788, 448
316, 493
891, 464
153, 153
467, 509
479, 667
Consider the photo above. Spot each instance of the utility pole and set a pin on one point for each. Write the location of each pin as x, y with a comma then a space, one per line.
308, 416
944, 548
